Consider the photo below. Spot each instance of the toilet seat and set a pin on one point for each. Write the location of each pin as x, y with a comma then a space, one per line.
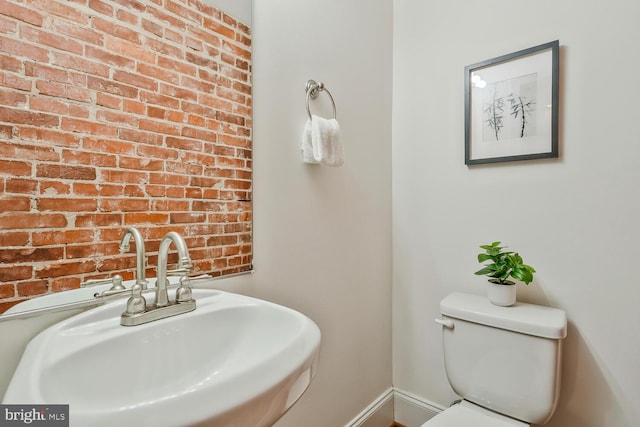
467, 414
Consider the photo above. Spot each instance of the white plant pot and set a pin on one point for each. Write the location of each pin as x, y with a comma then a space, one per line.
502, 295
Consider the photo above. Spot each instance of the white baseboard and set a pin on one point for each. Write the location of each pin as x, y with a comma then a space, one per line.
411, 410
378, 412
396, 405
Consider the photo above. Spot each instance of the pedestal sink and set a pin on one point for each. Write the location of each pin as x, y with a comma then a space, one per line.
234, 361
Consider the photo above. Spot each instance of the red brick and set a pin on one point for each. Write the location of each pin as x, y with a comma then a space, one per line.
88, 127
134, 191
67, 205
150, 218
156, 152
7, 291
14, 204
28, 151
125, 205
92, 250
101, 7
155, 190
157, 99
48, 39
66, 172
187, 218
54, 7
176, 193
88, 158
20, 49
141, 163
11, 98
75, 31
31, 220
16, 272
82, 189
124, 176
28, 117
58, 107
60, 90
159, 127
193, 193
65, 284
54, 187
37, 287
113, 29
109, 101
98, 220
112, 87
62, 237
21, 13
28, 254
6, 131
111, 190
79, 64
9, 167
50, 136
180, 67
21, 186
167, 19
130, 18
14, 238
158, 73
64, 268
111, 146
117, 118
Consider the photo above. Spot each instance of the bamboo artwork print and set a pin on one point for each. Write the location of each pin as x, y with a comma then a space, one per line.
511, 106
517, 97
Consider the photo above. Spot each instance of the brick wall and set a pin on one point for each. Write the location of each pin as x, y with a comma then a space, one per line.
119, 113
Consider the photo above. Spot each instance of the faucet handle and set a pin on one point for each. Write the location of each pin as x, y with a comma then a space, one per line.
116, 283
178, 272
183, 293
136, 303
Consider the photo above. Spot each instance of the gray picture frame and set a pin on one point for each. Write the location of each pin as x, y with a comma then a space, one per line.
511, 106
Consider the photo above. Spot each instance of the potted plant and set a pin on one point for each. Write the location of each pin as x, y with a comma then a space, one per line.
503, 265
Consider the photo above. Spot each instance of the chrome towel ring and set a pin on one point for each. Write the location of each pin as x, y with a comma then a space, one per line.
313, 89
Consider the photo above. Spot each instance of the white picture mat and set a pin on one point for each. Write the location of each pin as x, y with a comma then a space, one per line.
540, 64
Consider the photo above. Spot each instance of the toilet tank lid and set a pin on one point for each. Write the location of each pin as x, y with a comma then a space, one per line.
531, 319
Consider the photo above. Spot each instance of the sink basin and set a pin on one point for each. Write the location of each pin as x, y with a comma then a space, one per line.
234, 361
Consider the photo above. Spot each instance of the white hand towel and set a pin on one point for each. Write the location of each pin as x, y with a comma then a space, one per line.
326, 141
307, 147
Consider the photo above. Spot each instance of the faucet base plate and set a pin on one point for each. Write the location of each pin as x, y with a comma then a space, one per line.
153, 313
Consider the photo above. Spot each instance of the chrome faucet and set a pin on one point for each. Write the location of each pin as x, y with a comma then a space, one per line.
138, 312
184, 262
133, 233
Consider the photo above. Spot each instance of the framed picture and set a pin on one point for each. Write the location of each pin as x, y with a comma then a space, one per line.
511, 106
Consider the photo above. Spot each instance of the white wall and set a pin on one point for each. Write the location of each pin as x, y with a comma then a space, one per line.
323, 235
575, 219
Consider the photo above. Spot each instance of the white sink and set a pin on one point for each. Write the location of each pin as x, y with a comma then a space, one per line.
234, 361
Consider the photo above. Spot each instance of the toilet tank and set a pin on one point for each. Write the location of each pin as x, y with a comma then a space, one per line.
506, 359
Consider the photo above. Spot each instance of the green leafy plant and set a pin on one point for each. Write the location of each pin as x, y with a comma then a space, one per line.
504, 264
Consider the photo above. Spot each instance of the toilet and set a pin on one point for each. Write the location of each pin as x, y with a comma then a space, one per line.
504, 362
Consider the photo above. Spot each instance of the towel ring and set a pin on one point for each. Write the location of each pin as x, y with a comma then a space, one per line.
313, 89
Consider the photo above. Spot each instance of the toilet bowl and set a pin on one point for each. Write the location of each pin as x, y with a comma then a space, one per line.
504, 362
467, 414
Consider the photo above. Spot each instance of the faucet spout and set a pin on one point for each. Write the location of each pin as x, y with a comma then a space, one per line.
133, 233
184, 262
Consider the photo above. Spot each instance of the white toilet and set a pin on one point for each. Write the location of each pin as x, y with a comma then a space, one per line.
503, 361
